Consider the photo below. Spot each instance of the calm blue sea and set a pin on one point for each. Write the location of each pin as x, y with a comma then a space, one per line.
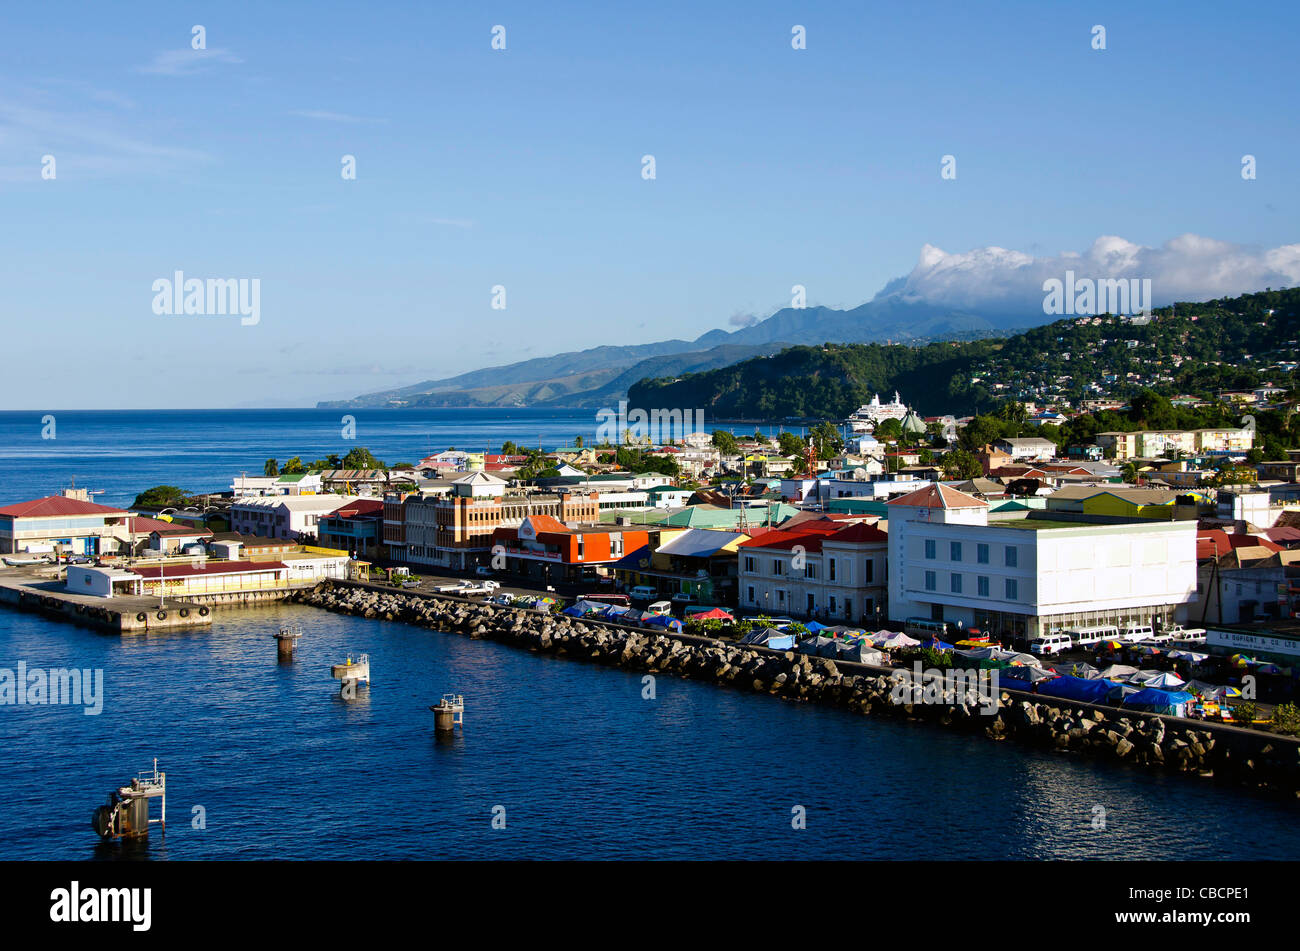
277, 765
126, 451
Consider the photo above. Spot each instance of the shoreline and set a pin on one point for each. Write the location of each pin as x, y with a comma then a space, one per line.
1226, 754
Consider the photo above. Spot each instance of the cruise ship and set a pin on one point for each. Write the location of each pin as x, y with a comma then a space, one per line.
867, 416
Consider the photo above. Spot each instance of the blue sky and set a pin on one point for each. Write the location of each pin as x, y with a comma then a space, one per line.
522, 168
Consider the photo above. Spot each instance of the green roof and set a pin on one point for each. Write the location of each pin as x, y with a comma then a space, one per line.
293, 477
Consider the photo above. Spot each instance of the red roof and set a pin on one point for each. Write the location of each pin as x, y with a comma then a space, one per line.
207, 568
939, 496
809, 535
358, 507
860, 533
142, 523
1215, 541
57, 505
547, 523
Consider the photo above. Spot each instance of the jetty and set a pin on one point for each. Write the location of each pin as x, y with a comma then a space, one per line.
120, 614
1201, 749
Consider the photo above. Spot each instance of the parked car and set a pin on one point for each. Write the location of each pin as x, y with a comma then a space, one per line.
1050, 644
483, 571
642, 592
1137, 632
1087, 636
662, 608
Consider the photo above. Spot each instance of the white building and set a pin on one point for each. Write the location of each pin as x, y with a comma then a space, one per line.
1028, 575
283, 516
832, 572
1027, 449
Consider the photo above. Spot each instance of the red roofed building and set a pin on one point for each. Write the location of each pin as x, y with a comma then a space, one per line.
354, 527
58, 523
820, 569
1213, 542
542, 548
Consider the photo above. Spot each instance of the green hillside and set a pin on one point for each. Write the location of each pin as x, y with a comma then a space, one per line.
1188, 348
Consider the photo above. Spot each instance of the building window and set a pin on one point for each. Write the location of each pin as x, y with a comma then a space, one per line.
868, 570
929, 548
982, 586
1012, 556
954, 551
868, 607
749, 563
810, 570
751, 594
811, 603
1012, 592
777, 567
982, 553
930, 583
956, 584
832, 574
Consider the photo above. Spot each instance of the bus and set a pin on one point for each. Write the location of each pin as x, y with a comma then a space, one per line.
924, 627
621, 600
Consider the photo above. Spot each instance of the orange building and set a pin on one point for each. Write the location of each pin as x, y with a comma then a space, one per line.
542, 548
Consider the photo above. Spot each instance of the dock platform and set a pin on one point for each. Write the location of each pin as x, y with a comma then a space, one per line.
120, 614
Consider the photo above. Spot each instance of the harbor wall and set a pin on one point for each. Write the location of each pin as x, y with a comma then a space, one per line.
1208, 751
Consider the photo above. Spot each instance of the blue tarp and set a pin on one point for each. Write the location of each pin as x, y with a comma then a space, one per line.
815, 626
1078, 688
1155, 700
783, 643
669, 622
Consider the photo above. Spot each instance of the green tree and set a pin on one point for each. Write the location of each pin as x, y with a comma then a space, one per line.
360, 458
162, 496
271, 468
826, 437
961, 464
293, 467
724, 442
788, 444
888, 429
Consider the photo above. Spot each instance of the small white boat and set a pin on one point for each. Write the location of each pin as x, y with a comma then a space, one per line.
22, 561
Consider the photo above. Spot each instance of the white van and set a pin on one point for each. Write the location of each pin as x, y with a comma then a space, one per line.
642, 592
1087, 636
662, 608
1137, 632
1050, 644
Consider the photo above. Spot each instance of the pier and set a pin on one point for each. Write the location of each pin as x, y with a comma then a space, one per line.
120, 614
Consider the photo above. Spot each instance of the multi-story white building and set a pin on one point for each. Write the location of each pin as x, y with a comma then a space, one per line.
283, 516
834, 573
1033, 574
1027, 448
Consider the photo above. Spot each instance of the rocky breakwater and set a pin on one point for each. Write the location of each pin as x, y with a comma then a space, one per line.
1191, 747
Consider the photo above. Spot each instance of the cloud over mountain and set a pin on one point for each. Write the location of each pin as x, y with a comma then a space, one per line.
1189, 268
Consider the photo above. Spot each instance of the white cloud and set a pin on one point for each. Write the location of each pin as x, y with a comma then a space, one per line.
325, 115
186, 62
1187, 268
83, 143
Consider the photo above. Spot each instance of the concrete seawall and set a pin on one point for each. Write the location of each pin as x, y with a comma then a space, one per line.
1205, 750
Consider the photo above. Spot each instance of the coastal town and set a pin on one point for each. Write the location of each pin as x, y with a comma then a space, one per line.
1149, 569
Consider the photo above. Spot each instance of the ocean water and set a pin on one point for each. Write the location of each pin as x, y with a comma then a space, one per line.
266, 760
576, 760
125, 451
